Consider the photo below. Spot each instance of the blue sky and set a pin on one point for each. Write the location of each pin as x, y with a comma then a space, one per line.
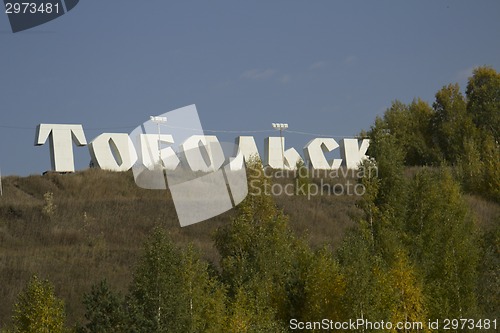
326, 67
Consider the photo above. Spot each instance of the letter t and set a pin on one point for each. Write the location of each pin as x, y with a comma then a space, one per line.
61, 144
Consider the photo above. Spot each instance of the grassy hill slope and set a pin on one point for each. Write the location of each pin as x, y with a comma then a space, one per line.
76, 229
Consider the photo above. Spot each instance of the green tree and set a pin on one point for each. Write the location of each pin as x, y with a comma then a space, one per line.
384, 200
205, 295
324, 288
404, 288
259, 253
491, 169
172, 291
421, 150
483, 100
389, 156
364, 296
409, 126
443, 243
103, 310
489, 274
38, 310
451, 124
470, 166
483, 94
156, 302
250, 313
302, 179
368, 202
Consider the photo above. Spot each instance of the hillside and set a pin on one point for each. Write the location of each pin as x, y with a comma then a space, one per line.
95, 224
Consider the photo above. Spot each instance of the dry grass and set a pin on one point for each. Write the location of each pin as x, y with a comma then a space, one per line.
486, 213
97, 229
101, 219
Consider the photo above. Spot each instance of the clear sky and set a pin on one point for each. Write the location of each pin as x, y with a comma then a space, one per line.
326, 67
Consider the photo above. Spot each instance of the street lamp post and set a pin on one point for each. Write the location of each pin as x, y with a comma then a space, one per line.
159, 120
281, 127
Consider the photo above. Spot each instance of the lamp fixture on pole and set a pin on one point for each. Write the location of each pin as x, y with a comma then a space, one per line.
281, 127
159, 120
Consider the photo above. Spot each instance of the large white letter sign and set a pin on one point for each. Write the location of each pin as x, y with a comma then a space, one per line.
113, 151
61, 144
202, 153
276, 155
247, 147
315, 151
353, 153
151, 151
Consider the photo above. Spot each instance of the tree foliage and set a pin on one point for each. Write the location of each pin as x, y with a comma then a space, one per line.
104, 310
458, 131
443, 242
324, 287
259, 253
452, 126
173, 292
38, 310
483, 100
